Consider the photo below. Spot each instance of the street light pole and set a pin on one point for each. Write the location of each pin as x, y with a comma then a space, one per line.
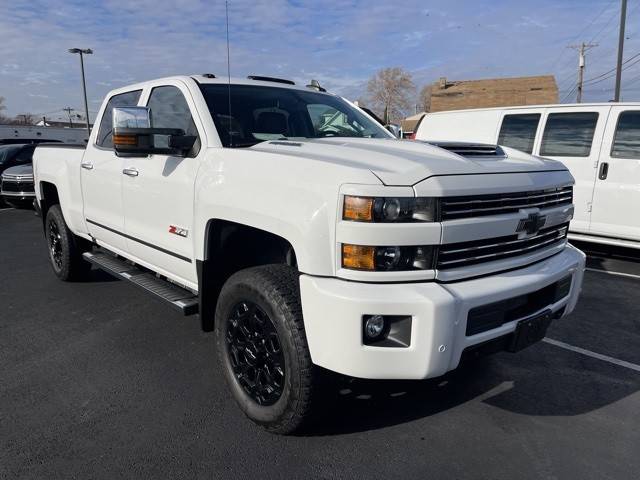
623, 18
82, 52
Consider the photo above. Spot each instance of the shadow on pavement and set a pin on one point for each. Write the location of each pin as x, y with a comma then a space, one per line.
549, 382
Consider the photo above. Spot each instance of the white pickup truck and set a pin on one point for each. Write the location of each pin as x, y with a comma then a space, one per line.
307, 236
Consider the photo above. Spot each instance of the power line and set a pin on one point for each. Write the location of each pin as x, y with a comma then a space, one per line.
596, 80
613, 69
555, 62
569, 94
605, 25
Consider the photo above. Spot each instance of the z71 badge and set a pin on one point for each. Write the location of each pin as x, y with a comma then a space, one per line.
182, 232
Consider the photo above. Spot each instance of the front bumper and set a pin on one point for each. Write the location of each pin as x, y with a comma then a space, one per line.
333, 311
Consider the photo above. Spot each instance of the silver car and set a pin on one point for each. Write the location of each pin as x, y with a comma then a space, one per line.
17, 187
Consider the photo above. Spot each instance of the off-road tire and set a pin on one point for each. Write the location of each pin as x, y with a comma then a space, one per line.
275, 289
66, 254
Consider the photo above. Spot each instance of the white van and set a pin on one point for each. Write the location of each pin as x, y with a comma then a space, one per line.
598, 142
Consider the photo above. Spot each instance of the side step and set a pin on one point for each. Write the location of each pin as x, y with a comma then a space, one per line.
179, 298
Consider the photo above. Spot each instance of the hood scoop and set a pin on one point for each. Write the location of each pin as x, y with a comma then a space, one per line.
471, 149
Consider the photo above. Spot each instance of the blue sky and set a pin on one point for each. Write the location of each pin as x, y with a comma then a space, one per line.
341, 43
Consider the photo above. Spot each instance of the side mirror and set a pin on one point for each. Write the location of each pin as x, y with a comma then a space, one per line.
133, 135
395, 129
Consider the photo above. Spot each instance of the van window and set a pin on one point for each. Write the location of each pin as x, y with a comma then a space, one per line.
128, 99
626, 142
569, 134
519, 131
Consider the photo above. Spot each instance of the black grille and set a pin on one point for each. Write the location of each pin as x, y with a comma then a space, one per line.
493, 315
496, 204
13, 186
462, 254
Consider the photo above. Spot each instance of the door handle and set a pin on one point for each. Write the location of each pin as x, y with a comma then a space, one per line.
132, 172
604, 170
87, 166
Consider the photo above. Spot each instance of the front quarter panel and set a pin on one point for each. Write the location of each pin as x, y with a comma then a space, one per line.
288, 196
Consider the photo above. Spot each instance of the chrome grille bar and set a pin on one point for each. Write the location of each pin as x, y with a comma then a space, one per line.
461, 254
481, 205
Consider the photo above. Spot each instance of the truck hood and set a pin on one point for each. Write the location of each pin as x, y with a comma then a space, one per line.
405, 162
20, 171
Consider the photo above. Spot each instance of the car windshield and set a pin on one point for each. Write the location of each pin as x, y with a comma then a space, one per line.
261, 113
7, 151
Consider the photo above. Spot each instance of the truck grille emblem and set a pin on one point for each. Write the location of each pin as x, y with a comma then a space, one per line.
532, 224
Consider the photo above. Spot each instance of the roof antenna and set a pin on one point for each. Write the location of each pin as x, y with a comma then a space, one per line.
226, 9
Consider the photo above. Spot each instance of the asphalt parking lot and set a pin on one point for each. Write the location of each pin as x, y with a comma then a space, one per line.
98, 380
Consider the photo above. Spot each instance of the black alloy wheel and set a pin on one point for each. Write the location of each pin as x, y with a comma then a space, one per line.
55, 244
255, 353
65, 248
263, 350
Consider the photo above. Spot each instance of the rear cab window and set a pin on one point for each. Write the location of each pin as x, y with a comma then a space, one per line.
626, 140
519, 131
127, 99
569, 134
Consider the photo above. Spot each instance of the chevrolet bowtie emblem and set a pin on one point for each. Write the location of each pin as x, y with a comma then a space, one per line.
532, 224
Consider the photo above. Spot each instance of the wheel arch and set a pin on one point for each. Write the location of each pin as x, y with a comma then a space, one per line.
48, 197
228, 248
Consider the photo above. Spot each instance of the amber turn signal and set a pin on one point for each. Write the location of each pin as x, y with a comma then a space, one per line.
120, 139
359, 209
358, 257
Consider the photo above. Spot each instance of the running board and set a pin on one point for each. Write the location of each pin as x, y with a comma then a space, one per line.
179, 298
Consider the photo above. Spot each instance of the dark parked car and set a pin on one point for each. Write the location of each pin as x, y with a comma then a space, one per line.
16, 186
14, 155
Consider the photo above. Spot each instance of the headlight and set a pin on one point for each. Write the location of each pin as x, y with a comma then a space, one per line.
387, 259
389, 209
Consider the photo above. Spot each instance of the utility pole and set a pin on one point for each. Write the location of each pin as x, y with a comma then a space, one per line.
582, 49
623, 19
69, 110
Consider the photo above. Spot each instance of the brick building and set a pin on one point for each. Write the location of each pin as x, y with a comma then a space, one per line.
494, 92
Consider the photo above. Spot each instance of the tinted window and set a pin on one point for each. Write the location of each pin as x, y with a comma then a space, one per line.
169, 109
519, 131
266, 113
626, 143
569, 134
7, 153
128, 99
25, 155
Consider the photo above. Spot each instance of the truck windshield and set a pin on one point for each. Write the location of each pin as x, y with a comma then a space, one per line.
269, 113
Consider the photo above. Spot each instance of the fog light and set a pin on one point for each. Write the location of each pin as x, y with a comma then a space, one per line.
374, 326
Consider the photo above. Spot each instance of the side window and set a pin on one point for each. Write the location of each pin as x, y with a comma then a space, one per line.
519, 131
626, 142
569, 134
127, 99
169, 109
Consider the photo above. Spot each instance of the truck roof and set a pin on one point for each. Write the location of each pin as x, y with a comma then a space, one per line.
210, 79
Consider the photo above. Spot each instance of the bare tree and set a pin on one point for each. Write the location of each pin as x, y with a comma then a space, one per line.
391, 91
425, 98
26, 119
